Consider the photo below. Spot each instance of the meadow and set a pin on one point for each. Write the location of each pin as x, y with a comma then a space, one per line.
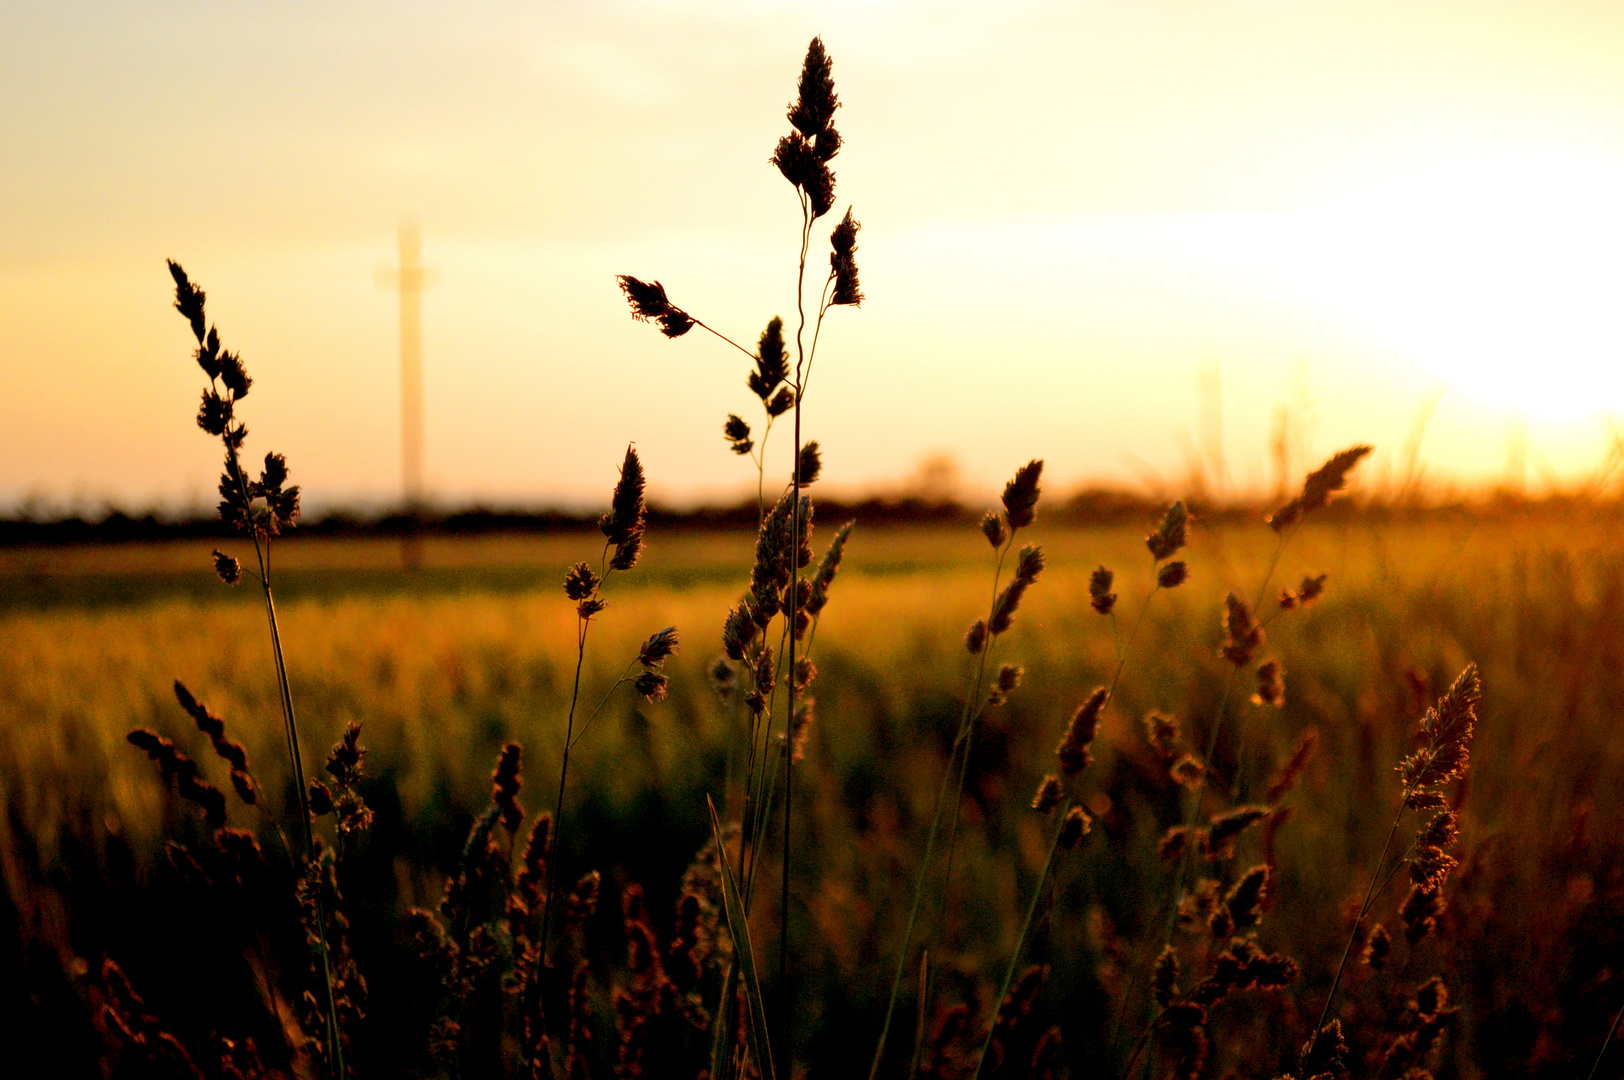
444, 666
1111, 805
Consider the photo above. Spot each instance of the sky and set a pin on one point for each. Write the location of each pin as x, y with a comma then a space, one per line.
1131, 238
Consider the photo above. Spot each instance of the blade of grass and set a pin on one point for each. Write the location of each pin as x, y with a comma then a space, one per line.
744, 955
721, 1043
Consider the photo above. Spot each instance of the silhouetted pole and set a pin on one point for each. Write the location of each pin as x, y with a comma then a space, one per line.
409, 280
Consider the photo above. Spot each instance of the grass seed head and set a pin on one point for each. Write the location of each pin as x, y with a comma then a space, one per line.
843, 262
1331, 477
1163, 734
1420, 912
1173, 575
828, 567
1049, 794
1446, 731
182, 770
234, 375
1245, 900
660, 646
772, 361
345, 761
737, 434
1100, 596
1028, 568
231, 752
994, 529
1223, 828
1021, 494
215, 413
781, 403
1430, 863
189, 300
1171, 535
1324, 1053
506, 782
1188, 771
1076, 826
1271, 685
229, 569
808, 464
1029, 564
652, 685
1243, 634
1318, 488
815, 102
737, 630
805, 672
627, 516
975, 638
580, 581
1165, 981
649, 303
1074, 749
1378, 946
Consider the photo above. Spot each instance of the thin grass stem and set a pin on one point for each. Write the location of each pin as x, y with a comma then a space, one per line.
563, 774
1054, 845
262, 555
1353, 935
1605, 1043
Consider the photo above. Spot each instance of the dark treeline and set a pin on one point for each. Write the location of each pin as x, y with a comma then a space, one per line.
1089, 507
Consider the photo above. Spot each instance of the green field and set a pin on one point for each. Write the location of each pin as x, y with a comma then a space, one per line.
444, 665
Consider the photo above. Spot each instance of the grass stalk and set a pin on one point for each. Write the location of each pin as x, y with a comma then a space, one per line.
262, 555
1054, 845
1376, 880
961, 745
1605, 1043
785, 997
1206, 764
563, 774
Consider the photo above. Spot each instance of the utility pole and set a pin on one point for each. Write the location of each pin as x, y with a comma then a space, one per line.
409, 279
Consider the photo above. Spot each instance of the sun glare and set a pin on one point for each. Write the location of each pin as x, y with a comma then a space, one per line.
1502, 275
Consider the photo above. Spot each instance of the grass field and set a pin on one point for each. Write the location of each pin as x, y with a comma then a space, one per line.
445, 665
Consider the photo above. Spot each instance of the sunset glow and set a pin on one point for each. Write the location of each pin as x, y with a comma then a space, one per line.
1362, 209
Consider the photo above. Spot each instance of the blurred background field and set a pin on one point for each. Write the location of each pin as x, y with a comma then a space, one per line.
443, 665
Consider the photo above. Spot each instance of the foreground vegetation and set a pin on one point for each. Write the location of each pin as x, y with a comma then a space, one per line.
1530, 944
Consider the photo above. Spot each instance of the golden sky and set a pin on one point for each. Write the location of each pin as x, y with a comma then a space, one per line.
1075, 215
